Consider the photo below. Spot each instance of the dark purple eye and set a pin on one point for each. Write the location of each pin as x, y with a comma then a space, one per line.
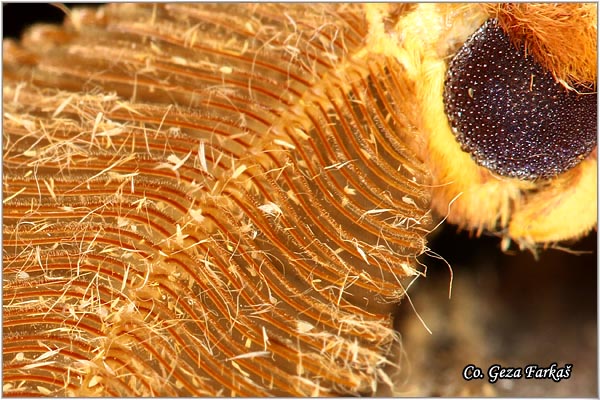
511, 115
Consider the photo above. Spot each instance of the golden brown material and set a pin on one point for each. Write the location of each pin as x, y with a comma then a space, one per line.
562, 37
228, 199
187, 213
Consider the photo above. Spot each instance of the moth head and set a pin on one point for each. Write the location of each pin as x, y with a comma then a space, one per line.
509, 110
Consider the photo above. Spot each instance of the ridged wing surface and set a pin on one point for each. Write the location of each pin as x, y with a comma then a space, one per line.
205, 200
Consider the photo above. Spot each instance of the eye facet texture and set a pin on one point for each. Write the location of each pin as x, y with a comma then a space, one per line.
511, 115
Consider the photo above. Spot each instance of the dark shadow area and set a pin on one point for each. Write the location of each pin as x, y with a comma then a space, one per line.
507, 309
16, 17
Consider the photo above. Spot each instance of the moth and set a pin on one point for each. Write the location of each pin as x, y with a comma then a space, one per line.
232, 199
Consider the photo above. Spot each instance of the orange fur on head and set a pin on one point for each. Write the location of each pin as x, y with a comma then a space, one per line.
562, 37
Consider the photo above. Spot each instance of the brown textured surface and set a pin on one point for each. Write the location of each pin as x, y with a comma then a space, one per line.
204, 200
227, 200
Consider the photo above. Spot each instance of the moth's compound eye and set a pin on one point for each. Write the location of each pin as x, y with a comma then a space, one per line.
510, 114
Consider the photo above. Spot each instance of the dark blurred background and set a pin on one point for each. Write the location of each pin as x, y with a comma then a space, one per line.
506, 308
17, 16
